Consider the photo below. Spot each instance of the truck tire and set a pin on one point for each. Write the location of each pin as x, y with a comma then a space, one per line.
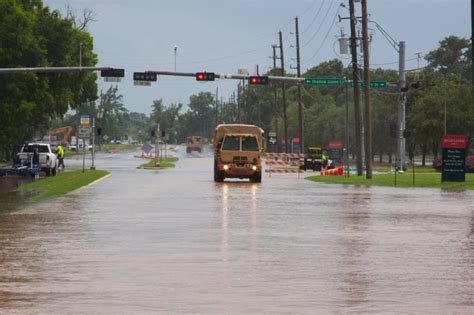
48, 172
54, 171
256, 177
220, 176
188, 150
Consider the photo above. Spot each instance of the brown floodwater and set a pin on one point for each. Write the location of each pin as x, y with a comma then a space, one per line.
174, 241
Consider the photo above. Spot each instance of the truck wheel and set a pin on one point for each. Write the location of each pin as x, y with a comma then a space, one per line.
256, 178
220, 176
48, 172
188, 150
54, 171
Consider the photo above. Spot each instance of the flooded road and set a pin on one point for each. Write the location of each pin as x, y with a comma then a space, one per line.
174, 241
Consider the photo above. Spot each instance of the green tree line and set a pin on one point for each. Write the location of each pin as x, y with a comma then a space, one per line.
32, 35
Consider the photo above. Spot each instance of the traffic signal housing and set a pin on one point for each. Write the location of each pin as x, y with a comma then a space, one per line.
112, 73
258, 80
144, 76
205, 76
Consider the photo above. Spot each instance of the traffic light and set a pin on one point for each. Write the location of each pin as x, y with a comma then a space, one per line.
144, 76
113, 73
205, 76
258, 80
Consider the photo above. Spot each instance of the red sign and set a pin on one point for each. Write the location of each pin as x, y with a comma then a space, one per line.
295, 140
454, 142
335, 145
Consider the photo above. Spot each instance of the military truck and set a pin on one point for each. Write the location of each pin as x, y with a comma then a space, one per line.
194, 143
237, 152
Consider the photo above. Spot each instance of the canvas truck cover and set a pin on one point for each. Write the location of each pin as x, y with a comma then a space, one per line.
222, 130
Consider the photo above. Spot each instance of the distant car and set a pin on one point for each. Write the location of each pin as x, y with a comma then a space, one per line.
116, 142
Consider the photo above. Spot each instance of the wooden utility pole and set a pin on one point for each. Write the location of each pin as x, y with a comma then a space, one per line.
300, 104
285, 120
275, 95
368, 110
355, 73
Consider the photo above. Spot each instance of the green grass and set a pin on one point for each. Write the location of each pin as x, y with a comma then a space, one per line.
116, 147
165, 162
62, 183
425, 180
418, 169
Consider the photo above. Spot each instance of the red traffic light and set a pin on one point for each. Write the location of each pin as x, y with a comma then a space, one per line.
258, 80
205, 76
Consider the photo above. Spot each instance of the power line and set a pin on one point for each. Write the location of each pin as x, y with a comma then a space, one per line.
314, 18
325, 37
319, 27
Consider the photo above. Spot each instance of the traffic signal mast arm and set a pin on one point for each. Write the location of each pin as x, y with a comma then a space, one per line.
229, 76
52, 69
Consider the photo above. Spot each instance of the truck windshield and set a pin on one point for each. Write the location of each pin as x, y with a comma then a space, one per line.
31, 148
249, 144
231, 143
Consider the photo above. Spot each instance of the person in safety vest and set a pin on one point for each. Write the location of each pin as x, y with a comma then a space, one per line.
324, 161
60, 152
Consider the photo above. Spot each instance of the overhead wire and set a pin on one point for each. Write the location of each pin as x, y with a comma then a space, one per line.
319, 27
325, 37
314, 18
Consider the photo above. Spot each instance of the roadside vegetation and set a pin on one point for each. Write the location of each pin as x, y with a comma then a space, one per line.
422, 180
168, 162
62, 183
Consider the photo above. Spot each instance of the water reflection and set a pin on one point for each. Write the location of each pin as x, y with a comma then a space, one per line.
355, 243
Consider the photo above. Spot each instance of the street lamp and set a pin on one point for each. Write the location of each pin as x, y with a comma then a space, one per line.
175, 51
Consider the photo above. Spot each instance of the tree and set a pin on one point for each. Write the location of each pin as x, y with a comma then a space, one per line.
452, 57
34, 36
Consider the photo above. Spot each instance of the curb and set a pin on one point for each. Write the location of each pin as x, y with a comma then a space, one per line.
96, 181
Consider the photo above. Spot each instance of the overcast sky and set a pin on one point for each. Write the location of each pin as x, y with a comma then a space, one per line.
224, 35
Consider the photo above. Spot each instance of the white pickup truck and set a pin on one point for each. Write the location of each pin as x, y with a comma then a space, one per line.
48, 161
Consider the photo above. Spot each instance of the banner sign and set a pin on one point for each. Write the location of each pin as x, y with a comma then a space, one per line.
454, 158
335, 151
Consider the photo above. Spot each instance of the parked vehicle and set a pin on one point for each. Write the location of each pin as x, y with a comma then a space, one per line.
46, 159
237, 151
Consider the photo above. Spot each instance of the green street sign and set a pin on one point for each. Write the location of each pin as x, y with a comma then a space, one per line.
323, 81
378, 84
373, 84
337, 82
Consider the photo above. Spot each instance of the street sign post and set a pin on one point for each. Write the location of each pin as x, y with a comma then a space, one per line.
85, 131
85, 120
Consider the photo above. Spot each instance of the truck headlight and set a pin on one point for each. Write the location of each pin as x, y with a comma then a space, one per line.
254, 167
226, 167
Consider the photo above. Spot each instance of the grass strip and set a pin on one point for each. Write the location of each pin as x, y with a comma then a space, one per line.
62, 183
423, 180
164, 162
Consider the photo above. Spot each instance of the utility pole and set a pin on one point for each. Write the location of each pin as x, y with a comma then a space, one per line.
275, 94
401, 105
300, 104
239, 100
346, 123
355, 73
285, 120
217, 106
368, 110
